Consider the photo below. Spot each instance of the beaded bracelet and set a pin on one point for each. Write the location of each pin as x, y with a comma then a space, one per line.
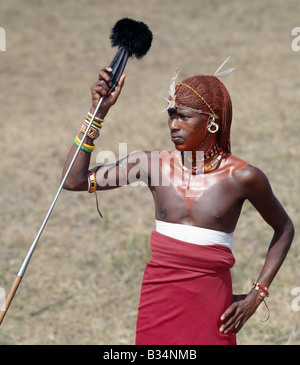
262, 290
92, 133
84, 147
95, 124
89, 147
99, 120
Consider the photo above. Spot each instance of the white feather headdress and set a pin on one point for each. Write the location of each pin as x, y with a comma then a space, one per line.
219, 74
172, 96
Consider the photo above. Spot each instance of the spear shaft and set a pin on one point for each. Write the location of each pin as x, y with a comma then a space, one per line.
23, 267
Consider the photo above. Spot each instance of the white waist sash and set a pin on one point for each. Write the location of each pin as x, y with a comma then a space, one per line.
193, 234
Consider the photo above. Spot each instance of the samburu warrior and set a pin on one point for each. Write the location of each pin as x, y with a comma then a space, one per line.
198, 190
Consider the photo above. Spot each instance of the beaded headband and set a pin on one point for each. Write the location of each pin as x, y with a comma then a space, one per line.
199, 96
172, 97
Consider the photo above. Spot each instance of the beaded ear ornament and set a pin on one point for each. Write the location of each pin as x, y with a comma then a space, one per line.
172, 97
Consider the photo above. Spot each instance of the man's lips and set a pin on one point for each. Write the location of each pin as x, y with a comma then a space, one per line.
175, 138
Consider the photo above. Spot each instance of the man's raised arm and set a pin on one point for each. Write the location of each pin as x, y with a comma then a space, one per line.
77, 179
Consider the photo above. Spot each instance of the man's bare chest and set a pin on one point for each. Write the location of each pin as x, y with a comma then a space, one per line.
178, 184
212, 200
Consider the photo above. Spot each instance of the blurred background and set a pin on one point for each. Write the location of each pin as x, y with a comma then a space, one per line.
83, 282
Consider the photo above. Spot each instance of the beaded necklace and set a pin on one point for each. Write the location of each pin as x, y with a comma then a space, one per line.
215, 149
210, 154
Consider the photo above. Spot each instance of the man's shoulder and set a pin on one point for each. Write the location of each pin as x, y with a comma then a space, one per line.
234, 164
246, 173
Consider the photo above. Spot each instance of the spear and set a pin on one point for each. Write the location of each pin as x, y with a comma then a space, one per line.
133, 39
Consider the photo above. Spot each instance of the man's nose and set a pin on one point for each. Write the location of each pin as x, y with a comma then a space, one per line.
174, 124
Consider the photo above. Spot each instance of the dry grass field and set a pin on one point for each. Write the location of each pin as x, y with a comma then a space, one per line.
82, 284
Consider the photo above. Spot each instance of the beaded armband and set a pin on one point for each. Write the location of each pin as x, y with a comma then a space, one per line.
92, 182
92, 185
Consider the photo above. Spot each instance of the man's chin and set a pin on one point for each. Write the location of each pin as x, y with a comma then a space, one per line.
181, 147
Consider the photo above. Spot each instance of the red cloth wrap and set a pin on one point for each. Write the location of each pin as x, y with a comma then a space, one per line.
185, 289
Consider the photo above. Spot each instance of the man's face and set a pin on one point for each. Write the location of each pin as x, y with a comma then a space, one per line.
187, 128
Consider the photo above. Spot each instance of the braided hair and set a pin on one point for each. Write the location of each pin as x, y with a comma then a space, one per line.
210, 95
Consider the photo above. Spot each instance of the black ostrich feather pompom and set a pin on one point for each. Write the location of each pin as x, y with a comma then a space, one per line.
135, 36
